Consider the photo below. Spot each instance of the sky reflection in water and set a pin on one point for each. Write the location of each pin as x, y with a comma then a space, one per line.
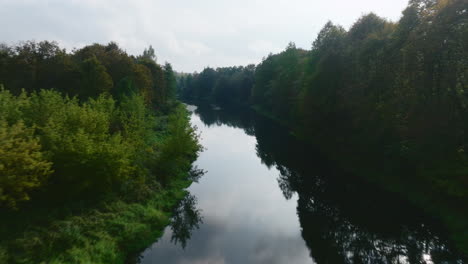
246, 218
268, 198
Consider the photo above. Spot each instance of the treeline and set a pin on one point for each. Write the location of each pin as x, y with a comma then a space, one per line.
381, 95
86, 72
230, 85
81, 128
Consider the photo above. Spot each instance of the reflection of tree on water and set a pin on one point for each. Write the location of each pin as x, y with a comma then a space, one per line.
186, 218
364, 228
195, 174
343, 219
237, 118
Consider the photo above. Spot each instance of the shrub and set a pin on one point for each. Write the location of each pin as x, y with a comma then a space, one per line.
23, 167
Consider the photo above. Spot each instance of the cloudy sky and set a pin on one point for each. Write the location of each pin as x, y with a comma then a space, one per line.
190, 34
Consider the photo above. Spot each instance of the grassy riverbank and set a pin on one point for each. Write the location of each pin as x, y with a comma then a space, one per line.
108, 232
103, 230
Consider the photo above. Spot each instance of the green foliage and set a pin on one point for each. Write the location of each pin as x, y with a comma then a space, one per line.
149, 54
330, 37
179, 148
107, 233
66, 154
170, 81
75, 138
87, 72
23, 167
85, 153
142, 80
95, 79
93, 146
231, 85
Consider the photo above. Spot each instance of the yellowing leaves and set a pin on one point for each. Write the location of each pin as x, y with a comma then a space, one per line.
22, 164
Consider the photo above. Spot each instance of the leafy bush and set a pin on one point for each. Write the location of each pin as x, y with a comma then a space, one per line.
23, 167
92, 146
79, 142
77, 139
179, 148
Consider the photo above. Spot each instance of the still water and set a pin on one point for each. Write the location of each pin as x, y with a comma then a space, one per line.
267, 198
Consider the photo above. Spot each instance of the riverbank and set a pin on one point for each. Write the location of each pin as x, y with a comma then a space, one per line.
95, 152
108, 229
109, 232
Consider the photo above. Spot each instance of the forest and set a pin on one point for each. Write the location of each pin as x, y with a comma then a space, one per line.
95, 151
387, 100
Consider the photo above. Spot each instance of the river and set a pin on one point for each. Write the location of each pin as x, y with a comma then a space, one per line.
268, 198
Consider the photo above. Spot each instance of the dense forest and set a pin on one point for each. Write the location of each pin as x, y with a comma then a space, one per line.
95, 151
388, 100
226, 86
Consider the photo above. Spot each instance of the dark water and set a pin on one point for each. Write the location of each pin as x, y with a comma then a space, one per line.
267, 198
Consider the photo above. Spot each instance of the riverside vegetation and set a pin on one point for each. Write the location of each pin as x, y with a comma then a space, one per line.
386, 100
95, 152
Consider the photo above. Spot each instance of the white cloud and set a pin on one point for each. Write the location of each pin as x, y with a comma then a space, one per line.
190, 34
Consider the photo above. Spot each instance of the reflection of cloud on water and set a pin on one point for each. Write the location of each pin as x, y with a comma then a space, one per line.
190, 108
211, 260
213, 243
245, 216
329, 216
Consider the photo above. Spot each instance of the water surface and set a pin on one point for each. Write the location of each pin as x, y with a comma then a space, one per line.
267, 198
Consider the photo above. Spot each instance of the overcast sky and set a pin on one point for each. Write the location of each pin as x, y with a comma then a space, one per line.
190, 34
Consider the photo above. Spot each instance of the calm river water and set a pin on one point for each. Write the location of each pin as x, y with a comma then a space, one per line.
267, 198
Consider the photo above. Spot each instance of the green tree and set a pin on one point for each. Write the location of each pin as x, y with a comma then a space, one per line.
23, 167
149, 54
95, 79
330, 37
170, 81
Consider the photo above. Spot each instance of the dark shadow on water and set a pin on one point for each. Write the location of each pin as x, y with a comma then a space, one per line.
234, 117
344, 219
